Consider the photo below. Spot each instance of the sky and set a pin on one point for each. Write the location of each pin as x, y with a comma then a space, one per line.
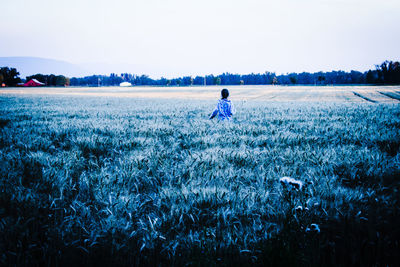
173, 38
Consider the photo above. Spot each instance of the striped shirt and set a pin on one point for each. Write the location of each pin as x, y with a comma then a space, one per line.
224, 109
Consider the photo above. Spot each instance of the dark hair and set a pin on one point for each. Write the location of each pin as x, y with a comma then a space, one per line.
224, 93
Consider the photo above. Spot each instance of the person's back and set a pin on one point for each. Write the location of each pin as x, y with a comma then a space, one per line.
224, 108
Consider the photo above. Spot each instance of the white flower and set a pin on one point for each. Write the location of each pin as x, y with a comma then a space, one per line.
313, 228
291, 181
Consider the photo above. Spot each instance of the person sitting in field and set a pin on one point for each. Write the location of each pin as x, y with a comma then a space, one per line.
224, 108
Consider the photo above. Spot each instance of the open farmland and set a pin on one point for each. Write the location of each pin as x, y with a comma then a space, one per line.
377, 94
140, 176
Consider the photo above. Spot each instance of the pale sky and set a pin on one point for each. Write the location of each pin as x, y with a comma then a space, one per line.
190, 37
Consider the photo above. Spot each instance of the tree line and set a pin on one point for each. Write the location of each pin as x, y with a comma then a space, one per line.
386, 73
10, 77
50, 80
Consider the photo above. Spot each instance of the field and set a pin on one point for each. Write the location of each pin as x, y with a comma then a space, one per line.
140, 176
351, 94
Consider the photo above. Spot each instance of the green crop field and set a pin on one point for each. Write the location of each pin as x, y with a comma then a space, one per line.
103, 179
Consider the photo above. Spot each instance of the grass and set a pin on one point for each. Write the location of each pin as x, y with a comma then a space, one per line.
113, 181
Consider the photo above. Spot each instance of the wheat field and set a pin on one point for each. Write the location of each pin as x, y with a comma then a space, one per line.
378, 94
136, 177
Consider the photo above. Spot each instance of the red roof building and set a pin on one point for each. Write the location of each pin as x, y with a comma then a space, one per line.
34, 82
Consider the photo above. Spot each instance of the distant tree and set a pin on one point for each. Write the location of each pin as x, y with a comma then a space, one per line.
357, 77
51, 80
9, 76
389, 72
370, 77
209, 80
321, 79
268, 77
60, 80
198, 80
163, 81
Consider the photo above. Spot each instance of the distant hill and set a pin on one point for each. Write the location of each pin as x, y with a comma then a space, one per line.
33, 65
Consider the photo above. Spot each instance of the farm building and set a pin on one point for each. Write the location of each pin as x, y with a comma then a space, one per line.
33, 82
125, 84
